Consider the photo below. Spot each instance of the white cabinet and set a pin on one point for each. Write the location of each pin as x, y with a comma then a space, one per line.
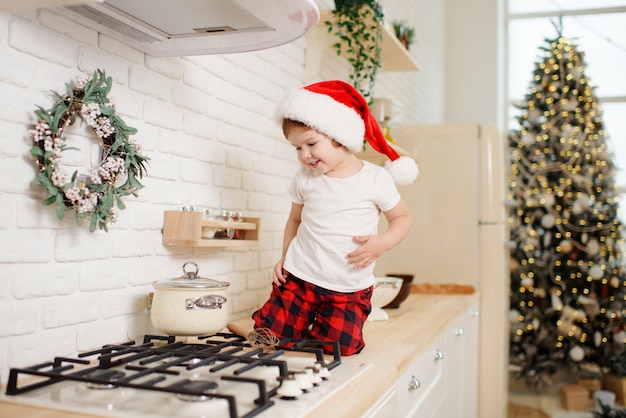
421, 389
386, 406
461, 367
443, 381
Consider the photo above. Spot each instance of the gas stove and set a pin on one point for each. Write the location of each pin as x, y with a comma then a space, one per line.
218, 376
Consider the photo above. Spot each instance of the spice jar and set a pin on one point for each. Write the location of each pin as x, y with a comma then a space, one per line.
224, 233
238, 217
209, 214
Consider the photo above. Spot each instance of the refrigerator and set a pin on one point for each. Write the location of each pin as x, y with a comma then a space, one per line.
459, 232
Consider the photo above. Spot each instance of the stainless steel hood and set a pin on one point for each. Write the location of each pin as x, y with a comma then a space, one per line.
197, 27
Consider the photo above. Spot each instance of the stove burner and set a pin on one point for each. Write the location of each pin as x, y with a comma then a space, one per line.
323, 370
289, 388
172, 359
303, 380
202, 386
104, 374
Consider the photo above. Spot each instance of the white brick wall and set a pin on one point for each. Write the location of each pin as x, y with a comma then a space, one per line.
206, 123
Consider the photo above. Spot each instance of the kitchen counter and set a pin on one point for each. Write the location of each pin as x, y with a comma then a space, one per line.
392, 346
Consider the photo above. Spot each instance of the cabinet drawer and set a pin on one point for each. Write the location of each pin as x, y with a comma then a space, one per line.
384, 407
421, 388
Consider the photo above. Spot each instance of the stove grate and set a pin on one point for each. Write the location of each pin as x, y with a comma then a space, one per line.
145, 366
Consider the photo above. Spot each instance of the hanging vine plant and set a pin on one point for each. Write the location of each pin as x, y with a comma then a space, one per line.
358, 26
98, 196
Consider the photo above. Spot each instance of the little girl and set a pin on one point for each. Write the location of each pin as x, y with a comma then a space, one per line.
324, 280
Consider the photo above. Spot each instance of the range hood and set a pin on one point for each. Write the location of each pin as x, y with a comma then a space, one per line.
197, 27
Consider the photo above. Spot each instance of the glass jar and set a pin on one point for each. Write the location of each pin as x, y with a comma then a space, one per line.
209, 214
224, 233
238, 217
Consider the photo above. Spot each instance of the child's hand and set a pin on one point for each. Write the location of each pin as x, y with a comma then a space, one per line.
279, 275
373, 246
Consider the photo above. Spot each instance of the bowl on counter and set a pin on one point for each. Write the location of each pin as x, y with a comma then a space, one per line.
385, 290
407, 283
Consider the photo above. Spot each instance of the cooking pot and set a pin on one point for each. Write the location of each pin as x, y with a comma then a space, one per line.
189, 305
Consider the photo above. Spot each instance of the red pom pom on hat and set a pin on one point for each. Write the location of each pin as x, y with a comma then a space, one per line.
336, 109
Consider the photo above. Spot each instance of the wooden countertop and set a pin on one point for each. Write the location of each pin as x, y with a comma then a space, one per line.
391, 347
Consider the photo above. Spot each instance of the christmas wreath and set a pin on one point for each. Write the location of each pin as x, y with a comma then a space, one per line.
98, 196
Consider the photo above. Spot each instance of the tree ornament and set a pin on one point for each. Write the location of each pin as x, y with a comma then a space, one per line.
597, 338
578, 208
566, 246
590, 305
513, 264
548, 221
577, 354
556, 301
566, 325
528, 140
593, 246
596, 272
547, 239
514, 316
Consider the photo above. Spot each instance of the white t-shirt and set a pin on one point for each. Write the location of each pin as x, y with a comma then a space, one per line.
334, 211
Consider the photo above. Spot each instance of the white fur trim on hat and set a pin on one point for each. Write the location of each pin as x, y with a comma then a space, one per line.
321, 112
403, 170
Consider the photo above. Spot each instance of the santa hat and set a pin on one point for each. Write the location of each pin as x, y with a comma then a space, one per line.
339, 111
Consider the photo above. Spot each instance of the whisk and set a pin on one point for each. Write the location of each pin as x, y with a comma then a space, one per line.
264, 339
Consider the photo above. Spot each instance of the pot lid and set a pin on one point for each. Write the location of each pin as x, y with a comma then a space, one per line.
191, 280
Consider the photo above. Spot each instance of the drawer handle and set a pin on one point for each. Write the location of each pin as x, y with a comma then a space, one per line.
459, 332
438, 355
414, 383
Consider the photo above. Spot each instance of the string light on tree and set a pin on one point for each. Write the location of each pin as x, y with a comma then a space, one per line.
568, 275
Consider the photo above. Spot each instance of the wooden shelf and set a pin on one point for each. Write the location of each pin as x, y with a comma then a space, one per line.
394, 56
184, 229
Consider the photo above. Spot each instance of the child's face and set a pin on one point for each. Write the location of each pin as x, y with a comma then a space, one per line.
317, 151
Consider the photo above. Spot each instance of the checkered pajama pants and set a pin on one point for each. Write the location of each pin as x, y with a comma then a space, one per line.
299, 309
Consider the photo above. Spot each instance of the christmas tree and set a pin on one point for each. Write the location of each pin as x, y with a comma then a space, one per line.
568, 275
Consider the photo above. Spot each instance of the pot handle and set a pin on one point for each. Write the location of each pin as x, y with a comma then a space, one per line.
205, 302
190, 274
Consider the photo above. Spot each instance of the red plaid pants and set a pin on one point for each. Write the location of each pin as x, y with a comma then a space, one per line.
299, 309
